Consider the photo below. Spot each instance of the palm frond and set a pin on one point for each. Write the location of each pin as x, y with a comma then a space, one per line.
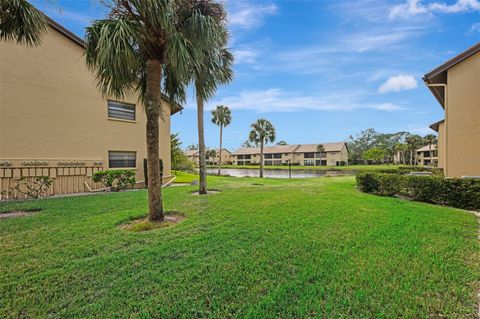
113, 53
21, 22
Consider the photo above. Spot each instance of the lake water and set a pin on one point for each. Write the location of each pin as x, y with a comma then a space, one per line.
277, 173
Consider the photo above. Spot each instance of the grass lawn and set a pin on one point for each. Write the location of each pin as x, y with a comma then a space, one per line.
320, 168
184, 177
259, 249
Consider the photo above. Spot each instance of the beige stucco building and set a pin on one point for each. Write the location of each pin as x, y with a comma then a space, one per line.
456, 86
54, 121
334, 154
427, 155
193, 155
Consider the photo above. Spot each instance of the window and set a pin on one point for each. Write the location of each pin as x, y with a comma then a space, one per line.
320, 155
309, 155
277, 163
248, 156
309, 162
122, 111
122, 159
240, 163
277, 155
268, 155
268, 163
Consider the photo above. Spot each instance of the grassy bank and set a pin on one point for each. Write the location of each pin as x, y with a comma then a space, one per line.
259, 249
356, 168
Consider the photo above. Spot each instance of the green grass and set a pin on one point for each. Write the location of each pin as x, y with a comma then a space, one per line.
259, 249
184, 177
355, 168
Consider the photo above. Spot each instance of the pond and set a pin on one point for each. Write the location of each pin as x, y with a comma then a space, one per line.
277, 173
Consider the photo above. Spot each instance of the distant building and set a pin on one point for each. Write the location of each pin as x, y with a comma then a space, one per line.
334, 154
455, 84
226, 157
425, 158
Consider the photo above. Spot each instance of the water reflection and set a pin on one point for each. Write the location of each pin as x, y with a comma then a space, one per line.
277, 173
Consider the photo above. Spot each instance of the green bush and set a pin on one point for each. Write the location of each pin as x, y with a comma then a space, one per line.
116, 180
455, 192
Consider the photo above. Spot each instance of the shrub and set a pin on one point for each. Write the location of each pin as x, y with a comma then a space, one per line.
455, 192
29, 187
115, 180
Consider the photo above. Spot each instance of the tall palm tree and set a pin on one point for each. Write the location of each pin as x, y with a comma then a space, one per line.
214, 68
222, 117
141, 46
262, 132
21, 22
431, 140
414, 142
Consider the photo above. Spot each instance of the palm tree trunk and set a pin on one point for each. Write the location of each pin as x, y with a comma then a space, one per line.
201, 147
152, 109
220, 153
261, 159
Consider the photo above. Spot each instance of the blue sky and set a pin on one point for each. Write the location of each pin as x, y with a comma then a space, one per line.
323, 70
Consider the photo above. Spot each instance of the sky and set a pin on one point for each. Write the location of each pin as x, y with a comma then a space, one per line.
322, 70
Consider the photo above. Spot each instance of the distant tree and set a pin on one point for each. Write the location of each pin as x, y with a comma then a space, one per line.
361, 142
413, 142
320, 148
431, 140
282, 143
375, 154
192, 147
21, 22
222, 117
247, 144
401, 149
262, 132
176, 153
209, 154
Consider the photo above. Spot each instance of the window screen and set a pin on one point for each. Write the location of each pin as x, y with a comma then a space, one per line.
123, 111
122, 159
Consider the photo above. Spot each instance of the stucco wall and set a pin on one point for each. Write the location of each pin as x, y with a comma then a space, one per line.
463, 119
51, 108
441, 145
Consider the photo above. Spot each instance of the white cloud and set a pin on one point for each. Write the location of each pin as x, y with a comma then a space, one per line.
415, 7
244, 14
245, 55
475, 28
277, 100
398, 83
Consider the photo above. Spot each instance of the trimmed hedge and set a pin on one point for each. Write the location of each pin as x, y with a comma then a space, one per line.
455, 192
115, 179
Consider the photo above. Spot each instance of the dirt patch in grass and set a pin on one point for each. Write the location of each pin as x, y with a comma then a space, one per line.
144, 224
209, 192
19, 213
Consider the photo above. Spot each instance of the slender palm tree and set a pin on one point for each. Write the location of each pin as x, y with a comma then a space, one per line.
222, 117
413, 142
213, 69
142, 46
431, 140
21, 22
262, 132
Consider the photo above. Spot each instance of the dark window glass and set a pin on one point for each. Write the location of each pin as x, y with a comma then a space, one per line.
122, 159
240, 157
309, 155
123, 111
248, 156
268, 163
268, 155
277, 155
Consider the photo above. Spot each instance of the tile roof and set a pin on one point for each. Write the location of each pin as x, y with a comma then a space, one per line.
295, 148
329, 147
426, 148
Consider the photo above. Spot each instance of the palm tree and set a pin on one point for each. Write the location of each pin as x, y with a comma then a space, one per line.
213, 69
413, 142
262, 132
222, 117
21, 22
430, 139
141, 46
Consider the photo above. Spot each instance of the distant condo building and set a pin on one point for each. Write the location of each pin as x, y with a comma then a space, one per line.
334, 154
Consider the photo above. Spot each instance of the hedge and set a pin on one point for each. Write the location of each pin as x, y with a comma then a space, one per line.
116, 180
455, 192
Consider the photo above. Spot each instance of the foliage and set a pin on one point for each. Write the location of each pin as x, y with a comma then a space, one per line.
176, 153
247, 144
29, 187
192, 147
221, 116
282, 143
375, 154
262, 132
292, 248
455, 192
116, 180
209, 154
21, 22
320, 148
